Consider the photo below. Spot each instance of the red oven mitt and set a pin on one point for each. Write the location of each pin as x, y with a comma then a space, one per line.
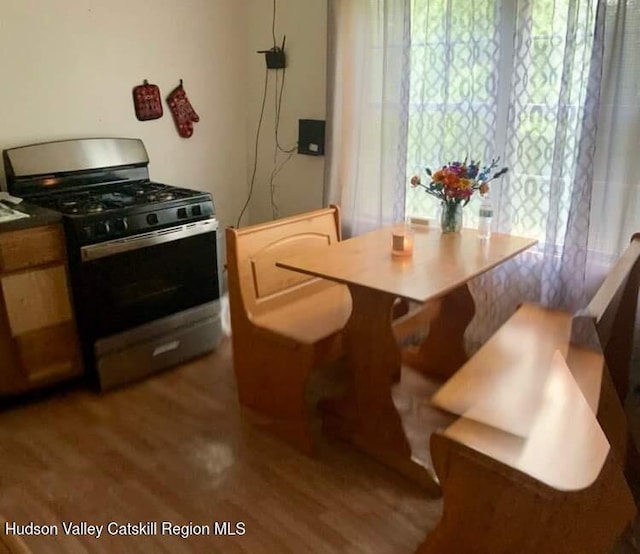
183, 113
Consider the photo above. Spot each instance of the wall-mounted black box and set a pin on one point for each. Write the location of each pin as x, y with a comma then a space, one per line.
311, 137
276, 59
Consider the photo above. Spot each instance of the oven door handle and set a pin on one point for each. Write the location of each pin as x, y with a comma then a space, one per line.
119, 246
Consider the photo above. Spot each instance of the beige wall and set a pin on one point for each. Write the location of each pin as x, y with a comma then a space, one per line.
68, 67
299, 184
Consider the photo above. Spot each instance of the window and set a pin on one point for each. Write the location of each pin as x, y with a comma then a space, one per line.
505, 78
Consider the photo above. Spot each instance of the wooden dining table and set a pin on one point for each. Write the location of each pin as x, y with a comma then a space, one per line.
437, 272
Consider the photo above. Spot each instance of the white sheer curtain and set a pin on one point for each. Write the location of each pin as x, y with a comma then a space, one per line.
368, 100
424, 82
616, 189
615, 206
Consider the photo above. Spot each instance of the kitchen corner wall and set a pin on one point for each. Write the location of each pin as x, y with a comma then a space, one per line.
298, 186
68, 68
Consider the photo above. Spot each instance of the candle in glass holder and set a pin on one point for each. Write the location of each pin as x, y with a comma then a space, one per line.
402, 242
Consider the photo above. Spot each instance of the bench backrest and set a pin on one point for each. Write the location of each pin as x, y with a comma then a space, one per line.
613, 310
252, 253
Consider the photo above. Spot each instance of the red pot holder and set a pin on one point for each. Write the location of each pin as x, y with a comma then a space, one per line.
147, 102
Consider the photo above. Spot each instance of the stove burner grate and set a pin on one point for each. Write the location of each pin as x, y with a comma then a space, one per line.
152, 192
116, 196
69, 206
94, 208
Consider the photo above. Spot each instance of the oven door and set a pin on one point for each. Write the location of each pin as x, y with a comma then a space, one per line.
130, 282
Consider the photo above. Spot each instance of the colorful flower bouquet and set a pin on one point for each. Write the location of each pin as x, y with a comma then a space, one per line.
454, 184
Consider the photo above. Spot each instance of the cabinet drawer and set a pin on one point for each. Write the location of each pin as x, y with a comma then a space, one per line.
31, 247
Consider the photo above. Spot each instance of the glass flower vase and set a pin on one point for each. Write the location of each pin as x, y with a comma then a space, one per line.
451, 217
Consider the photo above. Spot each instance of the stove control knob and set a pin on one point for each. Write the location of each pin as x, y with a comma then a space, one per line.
102, 228
182, 213
152, 219
196, 211
120, 225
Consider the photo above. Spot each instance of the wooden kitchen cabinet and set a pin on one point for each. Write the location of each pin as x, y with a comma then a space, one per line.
38, 340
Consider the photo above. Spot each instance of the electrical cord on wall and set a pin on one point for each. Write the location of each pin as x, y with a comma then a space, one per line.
275, 111
255, 154
278, 148
278, 109
273, 24
275, 210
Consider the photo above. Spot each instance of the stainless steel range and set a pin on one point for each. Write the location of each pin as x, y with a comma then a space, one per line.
143, 256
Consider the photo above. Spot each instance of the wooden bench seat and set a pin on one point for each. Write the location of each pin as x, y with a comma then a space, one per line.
330, 307
558, 490
547, 463
501, 494
542, 438
502, 384
284, 324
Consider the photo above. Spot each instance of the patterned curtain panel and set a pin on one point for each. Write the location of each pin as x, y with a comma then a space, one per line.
518, 79
454, 97
551, 139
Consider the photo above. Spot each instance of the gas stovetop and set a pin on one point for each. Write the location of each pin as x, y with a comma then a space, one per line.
117, 210
114, 197
102, 187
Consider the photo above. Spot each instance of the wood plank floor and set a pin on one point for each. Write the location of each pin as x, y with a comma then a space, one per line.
176, 448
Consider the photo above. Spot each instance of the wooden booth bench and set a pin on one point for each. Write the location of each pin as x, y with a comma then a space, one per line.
534, 463
284, 323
